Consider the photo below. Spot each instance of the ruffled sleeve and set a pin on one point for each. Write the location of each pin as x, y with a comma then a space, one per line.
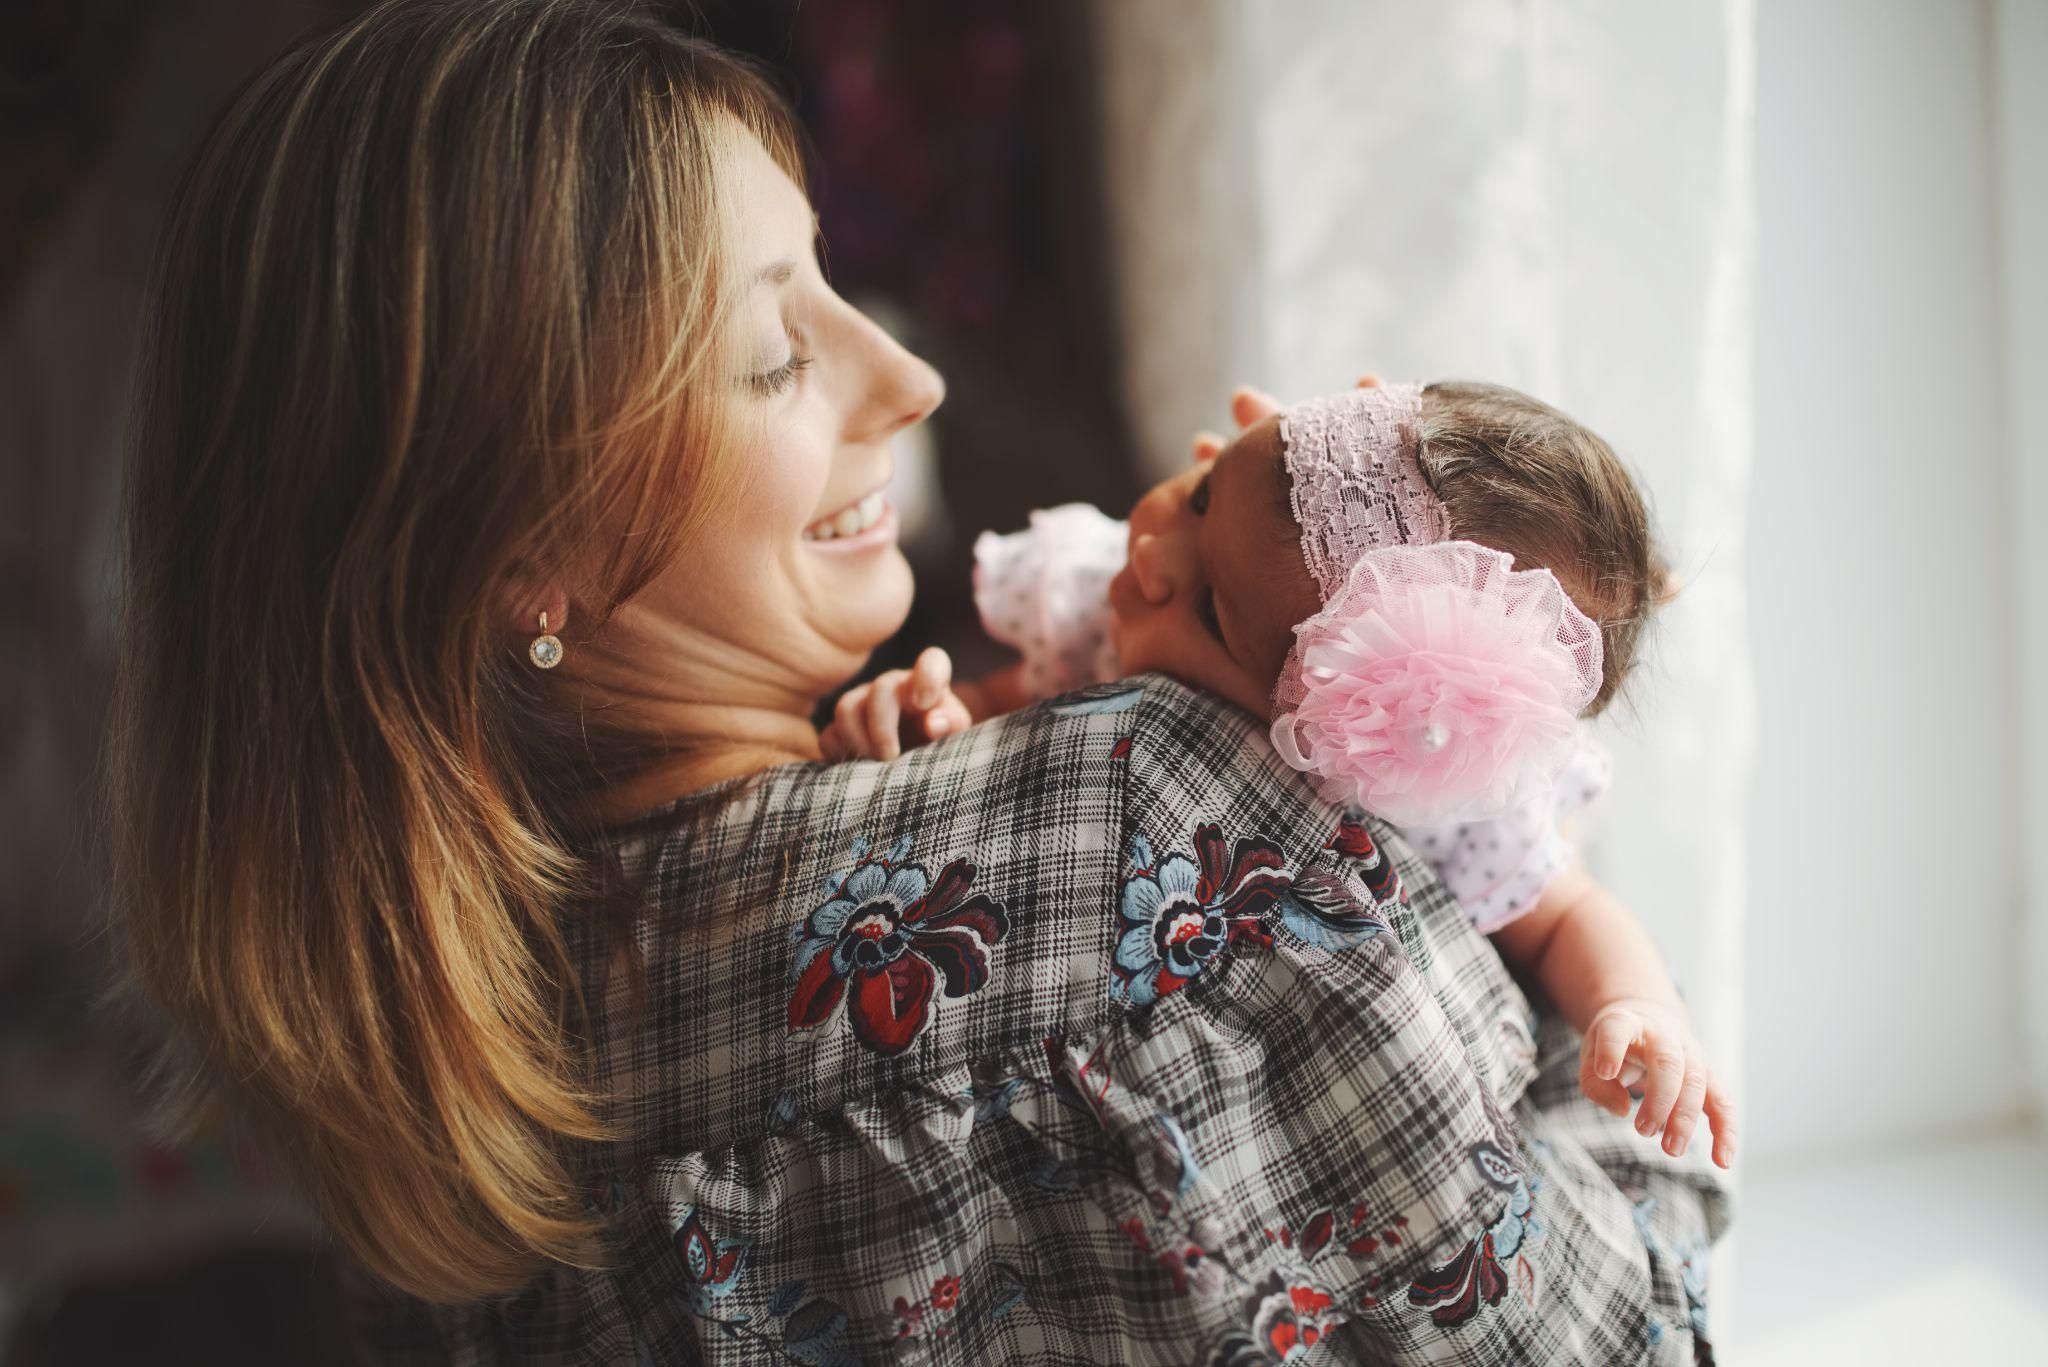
1044, 592
1498, 869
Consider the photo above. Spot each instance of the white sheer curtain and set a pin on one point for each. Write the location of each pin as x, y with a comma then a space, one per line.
1552, 194
2020, 130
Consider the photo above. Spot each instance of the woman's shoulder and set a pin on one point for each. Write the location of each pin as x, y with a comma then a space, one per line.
832, 929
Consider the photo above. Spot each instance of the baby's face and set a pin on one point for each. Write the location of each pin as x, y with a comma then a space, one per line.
1216, 581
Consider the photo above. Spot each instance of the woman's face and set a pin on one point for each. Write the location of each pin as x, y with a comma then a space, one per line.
799, 576
1216, 580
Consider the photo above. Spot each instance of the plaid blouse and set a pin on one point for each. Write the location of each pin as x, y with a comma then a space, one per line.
1089, 1035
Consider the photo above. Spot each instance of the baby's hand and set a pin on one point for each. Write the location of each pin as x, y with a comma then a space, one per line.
1655, 1041
902, 707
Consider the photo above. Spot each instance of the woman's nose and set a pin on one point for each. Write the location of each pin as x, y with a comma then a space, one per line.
902, 391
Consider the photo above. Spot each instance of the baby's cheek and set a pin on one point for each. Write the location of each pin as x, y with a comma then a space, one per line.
1160, 639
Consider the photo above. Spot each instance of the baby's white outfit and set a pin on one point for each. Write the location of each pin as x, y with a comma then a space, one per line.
1044, 592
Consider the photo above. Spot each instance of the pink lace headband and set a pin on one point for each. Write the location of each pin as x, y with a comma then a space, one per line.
1356, 478
1437, 684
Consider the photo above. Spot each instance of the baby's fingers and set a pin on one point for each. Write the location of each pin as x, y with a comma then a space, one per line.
1248, 405
1599, 1062
949, 716
848, 731
1663, 1076
1686, 1114
930, 678
1720, 1109
830, 745
883, 714
1607, 1043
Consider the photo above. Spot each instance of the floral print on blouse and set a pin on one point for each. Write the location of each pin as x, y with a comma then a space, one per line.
1089, 1035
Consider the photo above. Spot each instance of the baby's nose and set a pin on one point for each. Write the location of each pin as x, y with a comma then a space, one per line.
1158, 567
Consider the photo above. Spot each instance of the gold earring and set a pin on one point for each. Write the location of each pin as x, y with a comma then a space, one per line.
546, 650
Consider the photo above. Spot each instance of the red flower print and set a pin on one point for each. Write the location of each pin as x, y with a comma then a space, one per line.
889, 938
945, 1292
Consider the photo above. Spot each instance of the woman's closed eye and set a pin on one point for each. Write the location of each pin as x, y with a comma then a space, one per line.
771, 382
778, 379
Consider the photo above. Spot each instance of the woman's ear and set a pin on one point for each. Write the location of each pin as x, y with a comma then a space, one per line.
525, 599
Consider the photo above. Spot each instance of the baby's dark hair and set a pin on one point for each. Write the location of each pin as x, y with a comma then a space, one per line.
1519, 476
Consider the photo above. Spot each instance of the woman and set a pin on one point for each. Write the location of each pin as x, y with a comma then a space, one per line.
472, 833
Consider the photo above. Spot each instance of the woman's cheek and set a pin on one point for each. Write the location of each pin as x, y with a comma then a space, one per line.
786, 492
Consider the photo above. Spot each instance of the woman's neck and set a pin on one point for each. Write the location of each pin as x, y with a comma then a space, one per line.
705, 745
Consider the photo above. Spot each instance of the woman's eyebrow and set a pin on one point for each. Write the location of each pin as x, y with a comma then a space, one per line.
776, 272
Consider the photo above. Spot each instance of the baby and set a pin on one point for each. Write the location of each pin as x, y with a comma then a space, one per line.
1426, 589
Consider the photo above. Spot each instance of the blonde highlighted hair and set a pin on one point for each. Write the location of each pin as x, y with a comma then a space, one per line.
437, 313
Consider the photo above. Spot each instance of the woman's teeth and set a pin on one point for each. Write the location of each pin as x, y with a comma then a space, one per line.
851, 520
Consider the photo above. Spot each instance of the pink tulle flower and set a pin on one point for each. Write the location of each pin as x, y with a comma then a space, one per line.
1439, 685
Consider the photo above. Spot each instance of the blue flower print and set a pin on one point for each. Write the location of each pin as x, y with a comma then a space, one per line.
1178, 913
1095, 703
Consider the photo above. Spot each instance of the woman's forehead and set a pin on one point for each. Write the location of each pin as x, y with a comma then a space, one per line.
777, 221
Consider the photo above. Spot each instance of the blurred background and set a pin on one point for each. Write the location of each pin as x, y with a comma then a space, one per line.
1792, 259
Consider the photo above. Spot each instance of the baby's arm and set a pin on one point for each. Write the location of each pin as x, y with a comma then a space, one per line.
1596, 962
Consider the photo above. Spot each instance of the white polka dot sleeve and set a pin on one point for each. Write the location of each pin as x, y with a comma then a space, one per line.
1498, 869
1044, 592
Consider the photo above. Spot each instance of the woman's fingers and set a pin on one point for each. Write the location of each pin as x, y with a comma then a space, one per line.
1369, 380
1720, 1109
1207, 446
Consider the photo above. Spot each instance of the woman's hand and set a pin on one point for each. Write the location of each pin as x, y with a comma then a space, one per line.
1654, 1041
877, 719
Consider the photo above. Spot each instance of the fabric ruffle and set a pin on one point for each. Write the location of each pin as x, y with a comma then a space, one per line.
1044, 592
1439, 684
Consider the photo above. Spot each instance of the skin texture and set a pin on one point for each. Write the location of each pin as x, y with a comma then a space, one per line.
1216, 579
728, 655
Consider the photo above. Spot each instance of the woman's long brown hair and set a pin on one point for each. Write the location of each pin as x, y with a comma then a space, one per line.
436, 313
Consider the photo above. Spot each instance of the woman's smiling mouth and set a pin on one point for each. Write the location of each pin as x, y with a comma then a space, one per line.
868, 520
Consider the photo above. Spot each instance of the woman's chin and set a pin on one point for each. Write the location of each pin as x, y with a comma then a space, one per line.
867, 598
